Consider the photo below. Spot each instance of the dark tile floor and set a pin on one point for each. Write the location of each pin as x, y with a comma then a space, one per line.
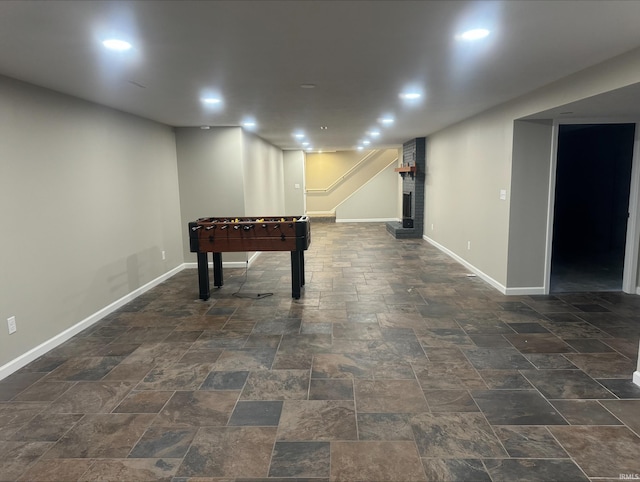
593, 270
392, 366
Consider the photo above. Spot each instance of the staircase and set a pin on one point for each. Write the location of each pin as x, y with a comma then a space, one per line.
343, 173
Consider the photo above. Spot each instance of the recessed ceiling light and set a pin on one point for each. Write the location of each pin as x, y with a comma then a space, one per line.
305, 143
249, 124
205, 128
116, 44
366, 143
308, 86
210, 100
298, 135
323, 128
386, 120
360, 148
373, 133
410, 95
474, 34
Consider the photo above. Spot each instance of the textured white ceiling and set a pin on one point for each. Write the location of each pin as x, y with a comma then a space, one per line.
360, 54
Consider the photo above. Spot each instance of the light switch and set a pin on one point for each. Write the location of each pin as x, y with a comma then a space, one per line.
297, 186
503, 194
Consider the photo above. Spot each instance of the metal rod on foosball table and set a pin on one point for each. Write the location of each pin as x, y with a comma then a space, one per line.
203, 276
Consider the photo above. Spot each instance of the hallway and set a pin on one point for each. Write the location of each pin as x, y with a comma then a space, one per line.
392, 366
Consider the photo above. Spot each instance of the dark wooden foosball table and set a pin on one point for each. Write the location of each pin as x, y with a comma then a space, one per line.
222, 235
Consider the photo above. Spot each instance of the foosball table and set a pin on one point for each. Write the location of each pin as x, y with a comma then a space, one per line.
220, 235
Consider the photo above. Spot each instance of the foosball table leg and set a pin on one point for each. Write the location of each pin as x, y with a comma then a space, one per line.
217, 270
295, 274
301, 267
203, 276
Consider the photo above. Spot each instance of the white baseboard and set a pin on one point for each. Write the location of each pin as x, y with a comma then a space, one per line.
638, 290
33, 354
371, 220
467, 265
527, 290
636, 377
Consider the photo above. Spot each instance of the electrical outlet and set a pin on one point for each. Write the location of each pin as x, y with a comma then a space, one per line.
11, 322
164, 256
468, 244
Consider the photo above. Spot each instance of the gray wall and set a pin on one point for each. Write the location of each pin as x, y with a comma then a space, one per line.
467, 166
90, 198
293, 174
88, 202
470, 162
226, 172
263, 177
377, 200
530, 171
331, 177
211, 178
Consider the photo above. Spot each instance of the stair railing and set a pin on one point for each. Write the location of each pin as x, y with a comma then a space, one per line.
346, 174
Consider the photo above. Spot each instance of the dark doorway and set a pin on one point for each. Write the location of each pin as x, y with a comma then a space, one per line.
591, 208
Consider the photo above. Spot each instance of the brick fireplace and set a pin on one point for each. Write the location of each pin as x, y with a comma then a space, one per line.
413, 171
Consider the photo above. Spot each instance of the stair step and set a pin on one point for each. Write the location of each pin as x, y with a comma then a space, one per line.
323, 219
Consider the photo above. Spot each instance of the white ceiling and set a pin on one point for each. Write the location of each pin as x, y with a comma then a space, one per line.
360, 54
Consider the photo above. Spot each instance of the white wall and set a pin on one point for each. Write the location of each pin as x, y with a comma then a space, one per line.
88, 201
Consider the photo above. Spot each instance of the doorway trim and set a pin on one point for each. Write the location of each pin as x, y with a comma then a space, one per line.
632, 241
